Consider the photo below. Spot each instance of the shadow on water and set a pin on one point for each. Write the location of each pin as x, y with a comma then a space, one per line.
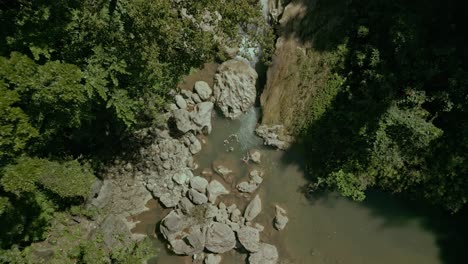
334, 138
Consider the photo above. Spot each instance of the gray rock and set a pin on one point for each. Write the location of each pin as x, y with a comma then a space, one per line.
180, 102
255, 156
171, 224
195, 147
280, 219
196, 98
234, 87
253, 209
222, 215
203, 90
267, 254
211, 211
255, 177
185, 205
182, 120
186, 93
247, 187
249, 238
196, 197
170, 199
220, 238
222, 170
199, 183
215, 189
236, 215
202, 117
213, 259
115, 231
274, 136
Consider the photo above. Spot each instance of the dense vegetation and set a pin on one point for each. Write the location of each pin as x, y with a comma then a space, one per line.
393, 112
77, 77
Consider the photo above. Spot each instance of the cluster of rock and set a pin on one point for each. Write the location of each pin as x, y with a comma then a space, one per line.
192, 111
274, 136
251, 185
197, 226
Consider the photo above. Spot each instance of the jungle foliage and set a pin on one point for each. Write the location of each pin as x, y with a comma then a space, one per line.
77, 77
398, 117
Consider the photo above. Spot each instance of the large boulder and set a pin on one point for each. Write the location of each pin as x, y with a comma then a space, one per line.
267, 254
253, 209
203, 90
249, 237
234, 87
220, 238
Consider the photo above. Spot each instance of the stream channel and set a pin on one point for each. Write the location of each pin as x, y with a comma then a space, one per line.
324, 229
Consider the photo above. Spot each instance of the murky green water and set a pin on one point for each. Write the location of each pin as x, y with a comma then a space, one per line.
327, 228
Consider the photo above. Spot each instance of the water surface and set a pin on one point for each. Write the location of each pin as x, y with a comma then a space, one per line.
325, 228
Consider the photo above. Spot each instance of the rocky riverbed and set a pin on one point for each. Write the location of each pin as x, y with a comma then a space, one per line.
201, 224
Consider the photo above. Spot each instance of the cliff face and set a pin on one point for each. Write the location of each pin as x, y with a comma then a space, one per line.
299, 68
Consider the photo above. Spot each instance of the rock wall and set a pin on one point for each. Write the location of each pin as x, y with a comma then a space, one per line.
282, 96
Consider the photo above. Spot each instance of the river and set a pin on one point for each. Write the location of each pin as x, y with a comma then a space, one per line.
325, 228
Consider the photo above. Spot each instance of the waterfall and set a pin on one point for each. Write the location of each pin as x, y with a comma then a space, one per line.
246, 132
247, 52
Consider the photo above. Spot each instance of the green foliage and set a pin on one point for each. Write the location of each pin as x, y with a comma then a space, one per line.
391, 114
66, 179
15, 129
137, 252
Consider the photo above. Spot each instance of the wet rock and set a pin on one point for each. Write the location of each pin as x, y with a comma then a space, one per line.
180, 102
213, 259
196, 197
253, 209
203, 90
215, 189
256, 177
274, 136
222, 170
234, 87
255, 156
249, 238
220, 238
280, 219
247, 187
199, 183
267, 254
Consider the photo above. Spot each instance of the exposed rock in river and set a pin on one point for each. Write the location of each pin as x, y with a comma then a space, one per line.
274, 136
249, 237
267, 254
280, 219
234, 87
253, 209
220, 238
